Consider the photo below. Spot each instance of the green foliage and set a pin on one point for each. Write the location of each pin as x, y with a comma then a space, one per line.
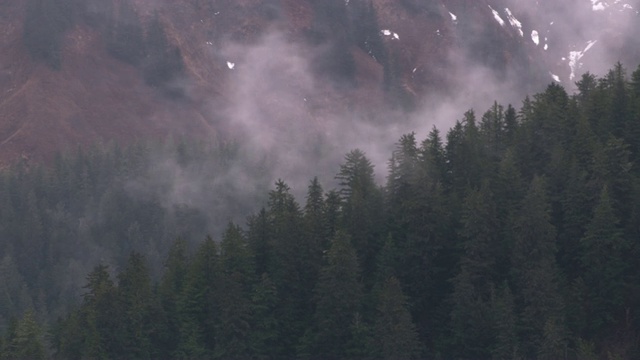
602, 249
338, 297
455, 257
395, 334
534, 269
27, 342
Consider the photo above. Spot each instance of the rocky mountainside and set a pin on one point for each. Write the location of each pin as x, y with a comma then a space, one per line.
75, 72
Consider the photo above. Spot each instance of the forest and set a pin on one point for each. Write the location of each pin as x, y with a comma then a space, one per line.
512, 236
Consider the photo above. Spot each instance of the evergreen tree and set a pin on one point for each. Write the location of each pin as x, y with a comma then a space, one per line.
602, 249
259, 239
265, 332
534, 269
137, 303
361, 208
504, 324
233, 327
286, 267
338, 296
99, 317
481, 230
27, 342
198, 307
171, 286
395, 333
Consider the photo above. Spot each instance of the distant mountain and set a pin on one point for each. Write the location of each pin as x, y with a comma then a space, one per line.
75, 72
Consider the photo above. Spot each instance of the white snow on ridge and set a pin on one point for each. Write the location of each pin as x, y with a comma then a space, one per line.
231, 65
575, 56
453, 17
598, 5
535, 37
555, 77
496, 15
387, 32
513, 21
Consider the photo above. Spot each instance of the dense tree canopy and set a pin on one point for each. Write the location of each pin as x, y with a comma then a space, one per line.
513, 239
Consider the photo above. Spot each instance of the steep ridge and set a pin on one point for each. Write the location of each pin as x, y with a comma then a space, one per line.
131, 69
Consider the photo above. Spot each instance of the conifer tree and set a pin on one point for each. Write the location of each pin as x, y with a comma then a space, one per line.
504, 324
395, 333
534, 268
27, 342
138, 307
338, 297
603, 246
99, 318
333, 214
361, 208
286, 267
198, 306
169, 290
233, 298
259, 239
265, 326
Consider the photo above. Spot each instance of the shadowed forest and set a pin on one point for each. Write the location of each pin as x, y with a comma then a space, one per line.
512, 236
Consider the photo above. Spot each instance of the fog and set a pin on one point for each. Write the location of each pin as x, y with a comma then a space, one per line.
571, 25
290, 121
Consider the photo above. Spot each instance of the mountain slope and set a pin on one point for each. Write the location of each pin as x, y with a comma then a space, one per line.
76, 72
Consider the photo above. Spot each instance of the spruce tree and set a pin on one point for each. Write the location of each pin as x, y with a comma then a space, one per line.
338, 297
395, 334
236, 283
198, 306
534, 269
602, 249
265, 326
361, 208
28, 340
137, 305
169, 290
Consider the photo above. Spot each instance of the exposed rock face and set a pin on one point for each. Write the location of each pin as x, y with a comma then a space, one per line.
101, 80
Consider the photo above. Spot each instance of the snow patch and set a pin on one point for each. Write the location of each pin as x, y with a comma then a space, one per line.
535, 37
598, 5
387, 32
454, 18
514, 22
496, 15
231, 65
575, 56
555, 77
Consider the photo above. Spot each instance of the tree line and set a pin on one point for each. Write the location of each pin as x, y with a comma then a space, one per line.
125, 36
512, 237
